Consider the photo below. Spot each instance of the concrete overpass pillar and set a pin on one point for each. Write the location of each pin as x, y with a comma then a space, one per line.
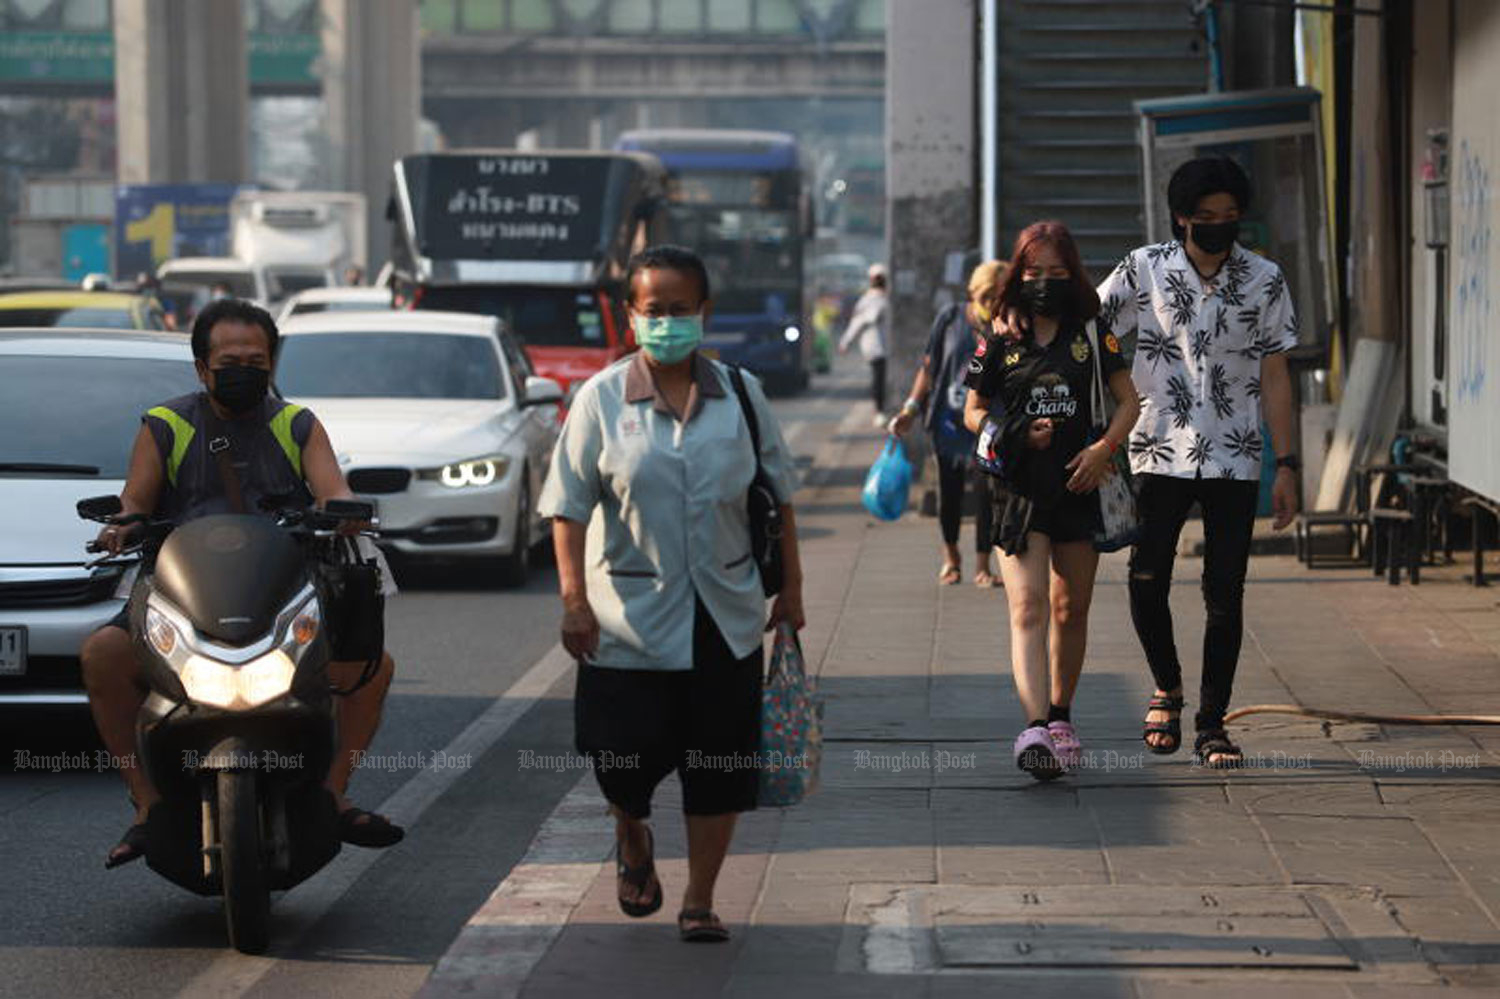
181, 91
931, 194
372, 93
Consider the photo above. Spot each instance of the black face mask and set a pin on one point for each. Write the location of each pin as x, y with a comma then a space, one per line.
1047, 296
1214, 237
240, 389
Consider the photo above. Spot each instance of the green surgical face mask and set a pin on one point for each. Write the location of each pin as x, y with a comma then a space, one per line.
668, 339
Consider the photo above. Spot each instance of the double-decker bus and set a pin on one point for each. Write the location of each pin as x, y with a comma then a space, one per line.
540, 239
736, 197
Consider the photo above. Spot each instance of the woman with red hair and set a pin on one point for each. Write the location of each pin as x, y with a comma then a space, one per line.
1030, 399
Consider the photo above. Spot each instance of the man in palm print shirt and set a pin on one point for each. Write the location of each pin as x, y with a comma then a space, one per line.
1212, 323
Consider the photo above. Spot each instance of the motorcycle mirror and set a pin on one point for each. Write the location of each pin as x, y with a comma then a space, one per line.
99, 507
340, 509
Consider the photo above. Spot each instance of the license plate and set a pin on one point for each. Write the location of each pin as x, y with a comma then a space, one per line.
12, 651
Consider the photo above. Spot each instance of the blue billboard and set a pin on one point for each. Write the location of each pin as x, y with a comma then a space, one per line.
156, 222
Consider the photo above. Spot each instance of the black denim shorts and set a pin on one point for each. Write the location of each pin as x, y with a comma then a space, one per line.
637, 726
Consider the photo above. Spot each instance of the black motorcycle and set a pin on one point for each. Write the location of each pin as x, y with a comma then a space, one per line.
230, 617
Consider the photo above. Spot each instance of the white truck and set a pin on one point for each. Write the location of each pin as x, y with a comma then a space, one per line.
295, 240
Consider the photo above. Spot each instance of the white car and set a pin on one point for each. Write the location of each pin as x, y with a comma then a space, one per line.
437, 418
336, 299
51, 456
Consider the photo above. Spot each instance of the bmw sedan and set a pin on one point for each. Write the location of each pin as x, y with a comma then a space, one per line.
70, 408
438, 418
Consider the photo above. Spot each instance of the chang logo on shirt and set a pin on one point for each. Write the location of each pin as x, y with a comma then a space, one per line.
1051, 397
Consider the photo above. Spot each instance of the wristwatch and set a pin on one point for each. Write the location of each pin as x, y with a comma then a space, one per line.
1290, 461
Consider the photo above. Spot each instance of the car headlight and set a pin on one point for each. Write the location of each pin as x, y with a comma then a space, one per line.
247, 686
475, 472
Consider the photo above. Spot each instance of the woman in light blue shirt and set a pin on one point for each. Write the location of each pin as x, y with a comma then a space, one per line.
662, 600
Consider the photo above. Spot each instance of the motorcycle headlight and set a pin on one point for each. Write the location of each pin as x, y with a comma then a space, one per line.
475, 472
247, 686
160, 632
265, 679
208, 682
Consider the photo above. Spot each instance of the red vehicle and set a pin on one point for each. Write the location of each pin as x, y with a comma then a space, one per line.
540, 240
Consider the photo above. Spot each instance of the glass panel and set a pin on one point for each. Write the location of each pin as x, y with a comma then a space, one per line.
870, 19
437, 16
728, 15
359, 365
778, 17
538, 317
530, 15
682, 16
86, 15
101, 422
626, 16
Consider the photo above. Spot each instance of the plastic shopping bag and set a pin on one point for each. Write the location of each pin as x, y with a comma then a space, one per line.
888, 482
791, 726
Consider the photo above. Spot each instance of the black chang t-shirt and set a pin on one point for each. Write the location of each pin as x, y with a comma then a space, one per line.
1055, 381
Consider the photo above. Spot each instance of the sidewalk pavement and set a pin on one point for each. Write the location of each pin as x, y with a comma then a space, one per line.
1344, 860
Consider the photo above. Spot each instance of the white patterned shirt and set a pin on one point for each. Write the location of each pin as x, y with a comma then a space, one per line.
1198, 347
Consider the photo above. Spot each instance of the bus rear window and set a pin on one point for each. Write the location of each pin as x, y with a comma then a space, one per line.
538, 317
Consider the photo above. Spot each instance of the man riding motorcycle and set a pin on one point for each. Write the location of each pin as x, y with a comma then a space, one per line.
191, 456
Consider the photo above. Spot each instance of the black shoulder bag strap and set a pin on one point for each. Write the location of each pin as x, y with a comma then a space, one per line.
219, 447
764, 510
745, 407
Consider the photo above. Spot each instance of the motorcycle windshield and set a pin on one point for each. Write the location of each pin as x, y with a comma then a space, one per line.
230, 574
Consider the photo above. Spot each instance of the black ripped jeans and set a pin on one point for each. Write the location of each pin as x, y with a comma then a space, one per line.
1228, 519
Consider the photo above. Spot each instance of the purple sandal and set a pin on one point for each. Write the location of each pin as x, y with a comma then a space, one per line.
1066, 744
1035, 755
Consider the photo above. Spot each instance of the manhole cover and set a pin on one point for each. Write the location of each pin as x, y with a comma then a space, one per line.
978, 927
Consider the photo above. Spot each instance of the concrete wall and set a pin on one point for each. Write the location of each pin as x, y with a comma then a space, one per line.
1375, 252
931, 150
181, 91
1431, 108
372, 93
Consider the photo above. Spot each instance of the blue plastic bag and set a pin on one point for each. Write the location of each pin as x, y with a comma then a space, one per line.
888, 482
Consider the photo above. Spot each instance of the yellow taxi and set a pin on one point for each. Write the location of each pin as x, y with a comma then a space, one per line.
81, 309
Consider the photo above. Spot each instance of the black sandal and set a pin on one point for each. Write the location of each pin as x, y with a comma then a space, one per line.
376, 832
637, 878
708, 930
1213, 742
1171, 728
134, 843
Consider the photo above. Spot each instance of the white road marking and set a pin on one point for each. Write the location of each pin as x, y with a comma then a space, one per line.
233, 974
505, 939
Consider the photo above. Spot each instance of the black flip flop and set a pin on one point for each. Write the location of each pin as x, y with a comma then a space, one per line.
637, 878
1215, 742
1171, 728
134, 842
376, 832
708, 930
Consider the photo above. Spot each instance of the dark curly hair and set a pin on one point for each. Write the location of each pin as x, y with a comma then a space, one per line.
1197, 179
236, 309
